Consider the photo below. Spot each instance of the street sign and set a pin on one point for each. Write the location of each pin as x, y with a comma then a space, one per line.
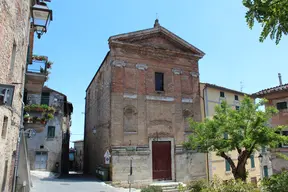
107, 156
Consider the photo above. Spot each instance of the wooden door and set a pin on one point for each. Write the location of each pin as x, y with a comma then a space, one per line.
41, 160
161, 160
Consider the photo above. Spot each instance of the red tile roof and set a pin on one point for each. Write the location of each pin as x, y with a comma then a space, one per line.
264, 92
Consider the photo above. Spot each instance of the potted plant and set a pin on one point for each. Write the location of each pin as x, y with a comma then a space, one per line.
43, 120
34, 119
49, 64
26, 117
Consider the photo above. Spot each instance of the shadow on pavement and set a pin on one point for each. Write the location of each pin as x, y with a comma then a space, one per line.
73, 178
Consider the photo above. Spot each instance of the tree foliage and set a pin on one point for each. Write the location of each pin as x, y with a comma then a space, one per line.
277, 182
247, 131
271, 14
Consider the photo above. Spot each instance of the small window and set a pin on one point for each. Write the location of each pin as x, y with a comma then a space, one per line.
225, 135
237, 108
222, 94
254, 181
263, 149
12, 62
41, 147
281, 105
236, 97
265, 171
252, 161
45, 97
227, 165
159, 81
4, 127
51, 132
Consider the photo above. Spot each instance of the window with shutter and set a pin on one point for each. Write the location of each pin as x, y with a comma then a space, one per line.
227, 166
51, 132
252, 161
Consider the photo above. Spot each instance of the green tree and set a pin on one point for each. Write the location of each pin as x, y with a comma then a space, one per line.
247, 131
271, 14
277, 182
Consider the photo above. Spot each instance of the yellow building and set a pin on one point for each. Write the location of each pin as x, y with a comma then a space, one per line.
213, 95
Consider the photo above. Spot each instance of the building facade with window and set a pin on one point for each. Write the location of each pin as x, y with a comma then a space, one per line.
14, 39
49, 149
278, 97
136, 105
213, 95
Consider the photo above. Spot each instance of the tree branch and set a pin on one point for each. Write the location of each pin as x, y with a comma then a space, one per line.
222, 154
239, 150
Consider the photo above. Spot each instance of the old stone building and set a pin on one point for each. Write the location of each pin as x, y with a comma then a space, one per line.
278, 97
137, 105
19, 19
49, 149
14, 34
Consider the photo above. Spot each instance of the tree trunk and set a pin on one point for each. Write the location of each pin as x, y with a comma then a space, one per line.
240, 171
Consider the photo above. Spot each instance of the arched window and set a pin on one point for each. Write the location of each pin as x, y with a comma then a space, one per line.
186, 115
130, 119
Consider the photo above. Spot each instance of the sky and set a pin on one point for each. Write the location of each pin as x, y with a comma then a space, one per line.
77, 42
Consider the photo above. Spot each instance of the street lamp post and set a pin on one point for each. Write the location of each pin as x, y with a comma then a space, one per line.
41, 17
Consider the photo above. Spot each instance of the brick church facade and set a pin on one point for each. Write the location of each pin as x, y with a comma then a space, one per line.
137, 106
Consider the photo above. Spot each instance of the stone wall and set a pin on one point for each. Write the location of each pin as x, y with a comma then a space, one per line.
14, 28
97, 114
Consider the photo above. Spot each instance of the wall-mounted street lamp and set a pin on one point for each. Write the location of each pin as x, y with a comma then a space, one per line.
94, 131
260, 158
41, 17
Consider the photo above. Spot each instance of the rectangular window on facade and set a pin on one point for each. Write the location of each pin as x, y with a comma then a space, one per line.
5, 176
281, 105
254, 180
263, 149
6, 94
252, 161
227, 166
51, 132
159, 81
12, 62
4, 127
237, 108
225, 135
236, 97
45, 97
265, 169
222, 94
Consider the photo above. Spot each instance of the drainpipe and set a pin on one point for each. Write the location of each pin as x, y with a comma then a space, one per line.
207, 155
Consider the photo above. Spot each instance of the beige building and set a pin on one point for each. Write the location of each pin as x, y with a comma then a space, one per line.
136, 107
79, 154
213, 95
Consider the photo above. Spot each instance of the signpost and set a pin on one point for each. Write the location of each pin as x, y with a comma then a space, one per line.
107, 156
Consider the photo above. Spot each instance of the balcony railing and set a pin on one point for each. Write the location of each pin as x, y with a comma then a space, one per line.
51, 100
39, 67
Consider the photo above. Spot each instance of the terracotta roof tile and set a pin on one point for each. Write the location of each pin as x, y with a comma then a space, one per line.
278, 88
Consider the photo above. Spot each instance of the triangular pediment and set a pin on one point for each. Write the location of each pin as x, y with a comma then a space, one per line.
157, 37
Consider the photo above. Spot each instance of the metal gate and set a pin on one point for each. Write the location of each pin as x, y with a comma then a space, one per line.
41, 160
161, 157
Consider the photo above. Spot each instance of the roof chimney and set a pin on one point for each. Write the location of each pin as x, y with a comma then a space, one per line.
280, 78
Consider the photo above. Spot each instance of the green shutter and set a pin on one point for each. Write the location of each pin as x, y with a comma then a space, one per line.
265, 171
252, 161
227, 165
51, 132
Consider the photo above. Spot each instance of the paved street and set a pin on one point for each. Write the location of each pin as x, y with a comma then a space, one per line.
72, 184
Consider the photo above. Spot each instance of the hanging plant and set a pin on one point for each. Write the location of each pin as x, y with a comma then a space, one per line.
40, 58
49, 64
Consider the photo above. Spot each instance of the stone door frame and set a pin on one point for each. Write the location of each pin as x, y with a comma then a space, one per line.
151, 139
